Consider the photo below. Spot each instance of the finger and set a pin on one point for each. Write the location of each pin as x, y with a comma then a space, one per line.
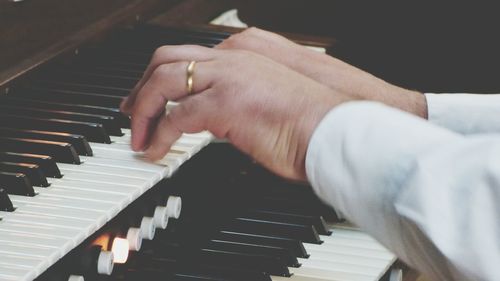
168, 82
192, 115
166, 55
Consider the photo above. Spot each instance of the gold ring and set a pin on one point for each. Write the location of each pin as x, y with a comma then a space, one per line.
190, 73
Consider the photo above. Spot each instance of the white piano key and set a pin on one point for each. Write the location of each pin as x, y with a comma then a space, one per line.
66, 235
340, 266
298, 278
132, 165
349, 250
126, 132
351, 234
83, 227
36, 265
190, 140
128, 190
125, 139
90, 195
75, 203
202, 134
348, 259
89, 177
27, 250
151, 177
98, 218
9, 272
332, 274
345, 241
88, 215
23, 262
114, 202
172, 161
32, 239
175, 150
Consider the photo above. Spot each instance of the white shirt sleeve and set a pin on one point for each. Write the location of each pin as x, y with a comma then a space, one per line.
465, 113
428, 194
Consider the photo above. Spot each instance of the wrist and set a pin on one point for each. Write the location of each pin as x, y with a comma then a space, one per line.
416, 103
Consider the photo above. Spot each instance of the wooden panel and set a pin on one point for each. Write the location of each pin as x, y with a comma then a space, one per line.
35, 30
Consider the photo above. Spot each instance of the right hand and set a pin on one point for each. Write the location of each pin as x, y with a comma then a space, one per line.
262, 107
326, 70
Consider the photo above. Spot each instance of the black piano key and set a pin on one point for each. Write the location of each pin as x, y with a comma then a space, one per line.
5, 203
32, 171
101, 71
138, 67
108, 122
17, 184
294, 231
45, 162
48, 84
293, 245
286, 206
92, 131
268, 264
121, 71
79, 142
92, 78
210, 257
299, 202
317, 221
60, 151
69, 96
128, 56
150, 267
277, 252
122, 119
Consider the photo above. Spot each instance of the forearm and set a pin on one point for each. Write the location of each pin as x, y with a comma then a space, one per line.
357, 83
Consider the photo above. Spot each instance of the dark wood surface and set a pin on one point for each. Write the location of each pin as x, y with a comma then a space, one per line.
35, 31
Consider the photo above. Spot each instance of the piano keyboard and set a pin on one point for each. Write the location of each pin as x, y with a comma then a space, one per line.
67, 173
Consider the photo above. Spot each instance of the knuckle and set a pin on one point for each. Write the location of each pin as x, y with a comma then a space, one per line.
234, 41
161, 52
162, 70
252, 30
243, 55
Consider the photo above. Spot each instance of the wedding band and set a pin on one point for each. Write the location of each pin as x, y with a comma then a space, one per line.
190, 73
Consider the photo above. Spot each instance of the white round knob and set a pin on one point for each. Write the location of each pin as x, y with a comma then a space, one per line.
148, 228
174, 206
134, 238
105, 263
161, 217
76, 278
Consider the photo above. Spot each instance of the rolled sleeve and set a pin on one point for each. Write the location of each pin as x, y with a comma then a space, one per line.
428, 194
465, 113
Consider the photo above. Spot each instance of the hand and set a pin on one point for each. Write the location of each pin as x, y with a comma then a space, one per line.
264, 108
334, 73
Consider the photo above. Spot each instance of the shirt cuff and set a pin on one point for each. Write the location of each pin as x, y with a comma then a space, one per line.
465, 113
361, 152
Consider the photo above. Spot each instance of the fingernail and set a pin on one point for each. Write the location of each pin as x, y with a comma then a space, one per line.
149, 153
